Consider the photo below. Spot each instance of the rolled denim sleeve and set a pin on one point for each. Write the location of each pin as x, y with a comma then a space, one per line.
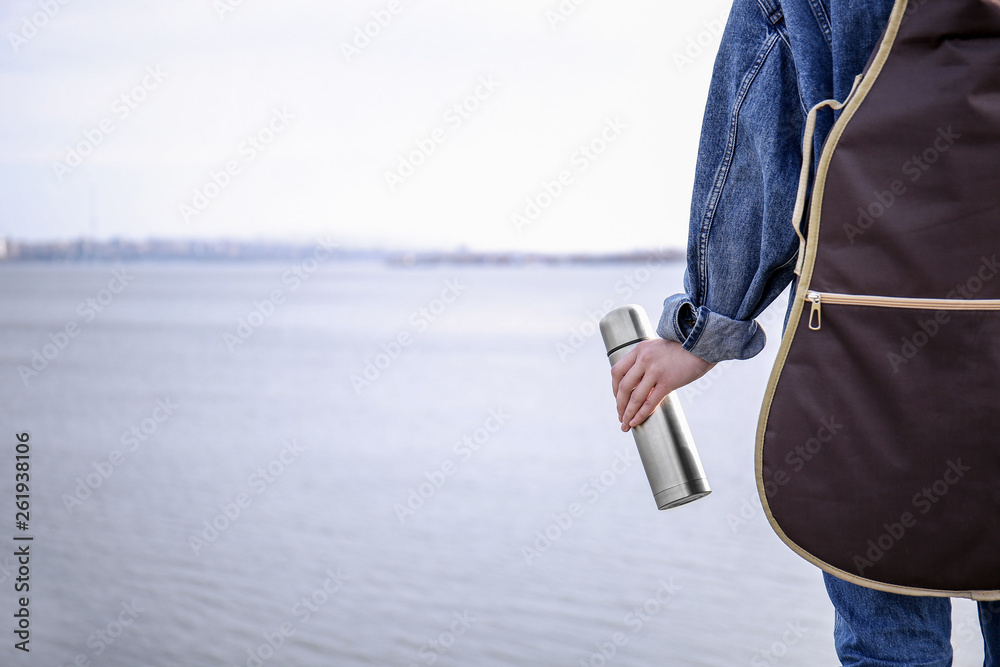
711, 336
741, 244
776, 60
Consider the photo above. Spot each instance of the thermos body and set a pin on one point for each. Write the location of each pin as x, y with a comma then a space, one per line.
664, 440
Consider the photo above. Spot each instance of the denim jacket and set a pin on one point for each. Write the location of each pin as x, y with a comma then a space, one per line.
777, 59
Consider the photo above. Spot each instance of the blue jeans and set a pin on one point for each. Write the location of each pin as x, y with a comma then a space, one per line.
876, 629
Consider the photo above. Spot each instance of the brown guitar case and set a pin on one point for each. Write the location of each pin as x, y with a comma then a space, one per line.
878, 448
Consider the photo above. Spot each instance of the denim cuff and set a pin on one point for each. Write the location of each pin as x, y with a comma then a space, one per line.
709, 335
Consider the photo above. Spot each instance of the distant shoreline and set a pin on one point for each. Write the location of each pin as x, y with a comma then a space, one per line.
84, 250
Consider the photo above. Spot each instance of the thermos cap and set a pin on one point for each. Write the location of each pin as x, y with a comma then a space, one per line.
625, 325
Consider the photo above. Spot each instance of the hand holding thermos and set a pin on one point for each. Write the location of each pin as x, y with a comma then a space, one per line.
664, 440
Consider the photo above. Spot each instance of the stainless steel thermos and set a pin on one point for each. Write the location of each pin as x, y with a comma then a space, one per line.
664, 440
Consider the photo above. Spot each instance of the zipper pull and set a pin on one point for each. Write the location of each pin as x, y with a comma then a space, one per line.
815, 316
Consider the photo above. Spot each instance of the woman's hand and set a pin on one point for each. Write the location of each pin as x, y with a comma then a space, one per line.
644, 377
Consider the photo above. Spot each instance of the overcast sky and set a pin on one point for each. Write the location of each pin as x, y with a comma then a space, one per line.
266, 119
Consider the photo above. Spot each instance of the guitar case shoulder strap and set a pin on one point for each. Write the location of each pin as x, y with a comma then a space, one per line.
878, 447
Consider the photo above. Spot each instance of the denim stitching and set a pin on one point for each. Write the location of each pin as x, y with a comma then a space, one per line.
782, 31
823, 19
772, 11
727, 160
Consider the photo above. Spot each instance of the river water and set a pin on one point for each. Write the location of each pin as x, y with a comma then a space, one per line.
379, 466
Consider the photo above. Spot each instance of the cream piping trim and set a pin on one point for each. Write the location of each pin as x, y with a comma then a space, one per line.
799, 303
808, 135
